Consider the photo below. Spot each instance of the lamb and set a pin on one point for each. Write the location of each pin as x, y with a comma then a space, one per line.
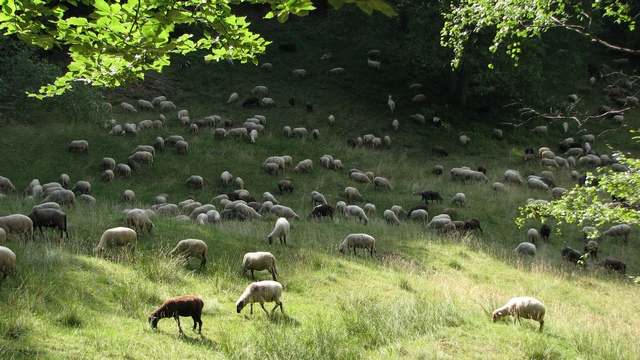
138, 219
613, 264
429, 195
545, 231
82, 145
284, 211
322, 210
261, 292
62, 197
8, 263
352, 194
258, 261
195, 181
128, 195
185, 305
525, 248
591, 248
358, 241
532, 236
356, 212
522, 307
304, 166
125, 106
459, 199
617, 230
119, 236
190, 248
381, 183
17, 224
391, 218
52, 218
572, 255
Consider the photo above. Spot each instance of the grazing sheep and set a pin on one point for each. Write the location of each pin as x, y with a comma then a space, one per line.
463, 140
525, 248
8, 263
617, 230
233, 98
182, 147
419, 118
512, 176
318, 198
167, 105
268, 67
472, 224
3, 236
129, 195
261, 292
195, 181
439, 151
284, 211
419, 215
355, 241
459, 199
260, 90
396, 125
167, 210
591, 248
17, 224
359, 177
522, 307
545, 231
537, 184
258, 261
171, 140
356, 212
52, 218
299, 132
498, 187
185, 305
119, 236
280, 231
429, 195
542, 129
336, 71
124, 170
304, 166
190, 248
613, 264
532, 236
82, 145
373, 64
157, 100
572, 255
352, 194
225, 178
391, 218
138, 219
381, 183
62, 197
285, 185
322, 210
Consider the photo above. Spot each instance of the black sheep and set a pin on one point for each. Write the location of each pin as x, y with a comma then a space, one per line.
249, 102
429, 195
613, 264
472, 224
185, 305
321, 211
52, 218
572, 255
545, 231
591, 248
285, 185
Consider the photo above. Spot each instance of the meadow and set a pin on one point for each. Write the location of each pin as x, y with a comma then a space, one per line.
423, 296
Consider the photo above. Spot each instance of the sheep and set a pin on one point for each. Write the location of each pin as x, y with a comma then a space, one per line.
358, 241
419, 118
496, 134
459, 199
199, 209
53, 218
318, 198
572, 255
116, 130
299, 132
3, 236
268, 102
352, 194
195, 181
545, 231
233, 98
299, 73
82, 145
525, 248
395, 124
251, 101
138, 219
429, 195
141, 157
498, 187
390, 102
261, 292
322, 210
62, 197
613, 264
591, 248
419, 215
130, 129
617, 230
336, 71
542, 129
119, 236
284, 211
356, 212
522, 307
124, 170
184, 305
285, 185
17, 224
6, 185
419, 98
253, 136
108, 163
171, 140
225, 178
373, 64
8, 263
304, 166
258, 261
182, 147
167, 210
157, 100
145, 105
268, 67
128, 195
128, 107
463, 140
439, 151
537, 184
386, 140
260, 90
369, 209
391, 218
167, 105
190, 248
532, 235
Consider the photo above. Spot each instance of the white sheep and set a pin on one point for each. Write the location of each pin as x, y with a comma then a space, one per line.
141, 157
130, 129
284, 211
542, 129
299, 73
6, 185
355, 241
258, 261
340, 206
128, 107
419, 215
381, 183
299, 132
191, 248
522, 307
158, 99
3, 236
287, 131
532, 235
268, 67
352, 194
261, 292
396, 124
318, 198
525, 248
119, 236
390, 217
390, 102
167, 210
8, 263
17, 224
124, 170
513, 176
617, 230
182, 147
419, 98
129, 195
260, 90
195, 181
419, 118
356, 212
202, 209
373, 64
496, 134
498, 187
82, 145
459, 199
62, 197
336, 71
305, 165
280, 231
145, 105
64, 180
167, 105
536, 184
463, 140
138, 219
233, 98
116, 130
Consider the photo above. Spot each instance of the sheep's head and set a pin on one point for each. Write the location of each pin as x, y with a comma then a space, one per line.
342, 248
153, 320
270, 239
97, 251
497, 315
240, 305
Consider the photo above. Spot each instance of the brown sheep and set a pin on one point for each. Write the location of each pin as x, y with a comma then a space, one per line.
185, 305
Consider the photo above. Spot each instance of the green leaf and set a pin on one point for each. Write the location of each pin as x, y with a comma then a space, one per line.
77, 21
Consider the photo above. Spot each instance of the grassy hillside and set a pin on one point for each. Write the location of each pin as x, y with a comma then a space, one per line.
424, 295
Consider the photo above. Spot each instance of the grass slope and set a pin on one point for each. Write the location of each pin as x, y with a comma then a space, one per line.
423, 296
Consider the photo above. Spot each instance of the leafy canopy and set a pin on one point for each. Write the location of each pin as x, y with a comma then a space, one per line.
514, 20
112, 42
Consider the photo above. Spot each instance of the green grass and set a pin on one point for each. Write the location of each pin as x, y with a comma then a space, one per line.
424, 295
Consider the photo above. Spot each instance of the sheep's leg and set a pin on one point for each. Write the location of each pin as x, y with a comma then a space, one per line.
253, 277
177, 317
279, 303
251, 312
265, 310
